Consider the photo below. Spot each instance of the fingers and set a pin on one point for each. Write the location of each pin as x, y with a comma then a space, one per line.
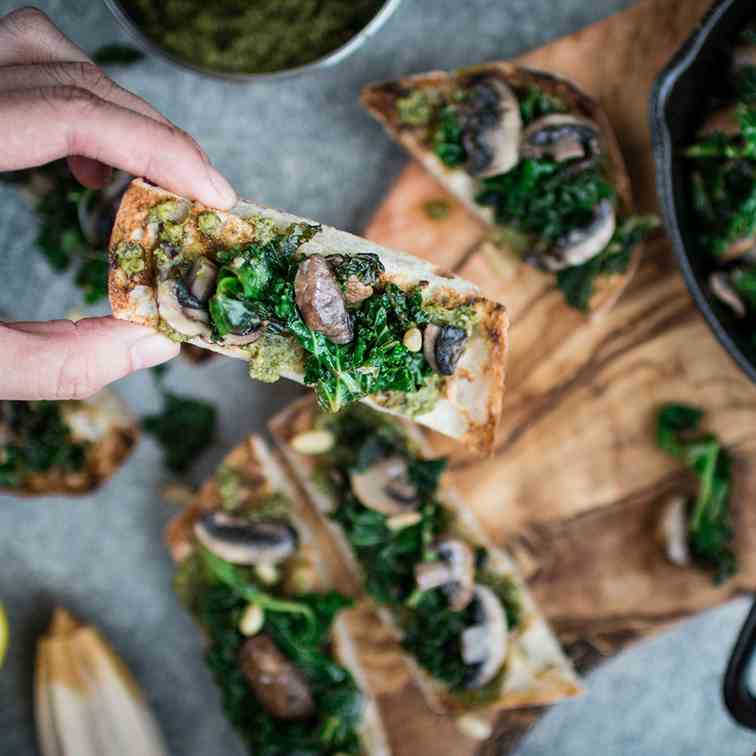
48, 123
28, 36
82, 74
90, 173
66, 360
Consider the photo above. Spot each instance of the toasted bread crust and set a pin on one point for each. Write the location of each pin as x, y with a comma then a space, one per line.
380, 100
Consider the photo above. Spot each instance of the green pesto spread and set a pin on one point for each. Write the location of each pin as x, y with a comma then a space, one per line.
130, 258
415, 403
273, 354
251, 37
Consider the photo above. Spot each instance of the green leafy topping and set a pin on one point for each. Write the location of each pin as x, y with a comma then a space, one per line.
255, 290
300, 626
536, 103
130, 257
117, 55
39, 440
710, 531
184, 428
578, 282
431, 631
744, 281
447, 138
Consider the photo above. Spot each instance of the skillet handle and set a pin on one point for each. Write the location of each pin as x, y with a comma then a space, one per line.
739, 700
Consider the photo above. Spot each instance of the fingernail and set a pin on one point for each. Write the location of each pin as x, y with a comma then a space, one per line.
152, 350
226, 195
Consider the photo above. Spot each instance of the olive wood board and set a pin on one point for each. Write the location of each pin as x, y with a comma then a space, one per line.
575, 485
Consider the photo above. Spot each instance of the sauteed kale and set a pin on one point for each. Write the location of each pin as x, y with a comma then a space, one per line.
393, 554
722, 164
35, 438
542, 174
709, 525
330, 316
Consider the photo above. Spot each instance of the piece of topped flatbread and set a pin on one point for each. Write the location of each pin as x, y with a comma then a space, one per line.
250, 570
471, 632
355, 320
68, 447
534, 157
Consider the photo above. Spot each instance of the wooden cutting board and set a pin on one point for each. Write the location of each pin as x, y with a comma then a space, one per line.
576, 482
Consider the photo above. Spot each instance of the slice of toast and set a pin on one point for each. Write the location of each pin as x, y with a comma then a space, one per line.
382, 99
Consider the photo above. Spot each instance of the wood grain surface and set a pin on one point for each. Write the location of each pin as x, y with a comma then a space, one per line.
575, 486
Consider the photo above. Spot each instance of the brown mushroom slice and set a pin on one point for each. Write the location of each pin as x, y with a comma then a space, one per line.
491, 128
673, 531
724, 121
320, 300
581, 244
744, 56
202, 279
724, 291
454, 571
278, 685
239, 541
743, 248
443, 347
484, 644
386, 487
561, 137
185, 321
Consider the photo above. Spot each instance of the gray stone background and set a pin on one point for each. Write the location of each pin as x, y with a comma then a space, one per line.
304, 145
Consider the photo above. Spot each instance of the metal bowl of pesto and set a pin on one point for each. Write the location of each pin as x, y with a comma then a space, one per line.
248, 40
706, 186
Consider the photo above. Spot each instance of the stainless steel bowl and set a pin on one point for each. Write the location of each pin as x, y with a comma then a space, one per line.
331, 59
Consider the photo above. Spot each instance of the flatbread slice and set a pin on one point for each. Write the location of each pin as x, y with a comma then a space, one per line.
490, 110
448, 374
251, 486
414, 542
66, 447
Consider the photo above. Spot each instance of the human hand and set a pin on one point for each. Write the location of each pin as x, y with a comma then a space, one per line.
55, 103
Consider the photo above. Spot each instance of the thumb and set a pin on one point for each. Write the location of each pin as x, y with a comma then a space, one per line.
61, 359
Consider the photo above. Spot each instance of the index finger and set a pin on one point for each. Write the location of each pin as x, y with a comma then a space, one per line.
28, 36
48, 123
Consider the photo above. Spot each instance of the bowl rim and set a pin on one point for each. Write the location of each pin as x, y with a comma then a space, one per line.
664, 150
328, 60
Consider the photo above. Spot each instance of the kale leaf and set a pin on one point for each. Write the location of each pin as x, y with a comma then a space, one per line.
256, 288
300, 626
536, 103
710, 531
447, 138
184, 428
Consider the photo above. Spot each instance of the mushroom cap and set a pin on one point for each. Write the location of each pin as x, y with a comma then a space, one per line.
491, 128
724, 291
185, 320
582, 244
202, 279
278, 685
443, 347
743, 56
673, 531
561, 136
239, 541
484, 644
321, 301
461, 560
385, 486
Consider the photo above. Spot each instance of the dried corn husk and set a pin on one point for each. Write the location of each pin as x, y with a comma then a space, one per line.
87, 702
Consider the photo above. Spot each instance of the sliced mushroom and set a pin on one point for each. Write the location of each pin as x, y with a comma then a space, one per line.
239, 541
454, 571
725, 121
581, 244
386, 487
278, 685
443, 347
725, 292
491, 127
484, 644
744, 248
202, 279
673, 531
355, 291
562, 137
320, 300
187, 321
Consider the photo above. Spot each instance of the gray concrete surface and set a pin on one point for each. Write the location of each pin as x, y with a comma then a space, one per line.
303, 145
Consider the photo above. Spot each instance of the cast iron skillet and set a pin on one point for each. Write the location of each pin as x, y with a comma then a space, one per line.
681, 98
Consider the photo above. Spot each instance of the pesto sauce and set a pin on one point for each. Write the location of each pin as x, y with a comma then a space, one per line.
273, 354
251, 37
